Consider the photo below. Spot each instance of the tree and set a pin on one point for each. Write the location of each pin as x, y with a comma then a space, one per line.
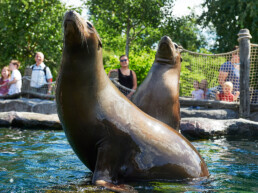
185, 32
228, 17
30, 26
129, 17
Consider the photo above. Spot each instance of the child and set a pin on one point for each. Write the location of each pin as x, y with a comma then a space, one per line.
197, 93
227, 95
204, 87
5, 75
16, 78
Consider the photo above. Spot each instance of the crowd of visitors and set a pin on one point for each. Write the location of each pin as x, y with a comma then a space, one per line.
41, 79
228, 79
11, 79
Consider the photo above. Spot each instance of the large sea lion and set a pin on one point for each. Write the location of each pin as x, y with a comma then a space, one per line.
158, 95
111, 136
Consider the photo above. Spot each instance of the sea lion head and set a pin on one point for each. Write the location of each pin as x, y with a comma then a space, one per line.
168, 52
77, 31
82, 59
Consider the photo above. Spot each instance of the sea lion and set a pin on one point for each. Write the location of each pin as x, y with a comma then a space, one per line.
158, 95
111, 136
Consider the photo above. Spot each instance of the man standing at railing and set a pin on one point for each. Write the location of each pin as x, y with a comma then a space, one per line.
41, 77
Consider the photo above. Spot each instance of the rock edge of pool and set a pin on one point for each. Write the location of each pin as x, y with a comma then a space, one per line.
195, 124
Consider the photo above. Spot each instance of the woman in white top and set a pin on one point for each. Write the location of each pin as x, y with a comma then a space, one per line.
15, 82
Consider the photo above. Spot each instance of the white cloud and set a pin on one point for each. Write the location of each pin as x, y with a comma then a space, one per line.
181, 7
75, 3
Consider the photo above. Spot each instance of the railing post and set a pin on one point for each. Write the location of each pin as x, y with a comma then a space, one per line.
244, 52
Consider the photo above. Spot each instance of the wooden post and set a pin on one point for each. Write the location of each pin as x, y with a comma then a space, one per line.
244, 52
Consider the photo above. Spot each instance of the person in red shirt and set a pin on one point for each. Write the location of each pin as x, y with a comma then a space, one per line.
227, 95
5, 75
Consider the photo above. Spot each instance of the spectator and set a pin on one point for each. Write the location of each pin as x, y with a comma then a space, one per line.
227, 95
230, 71
126, 77
15, 82
41, 77
5, 75
197, 93
204, 87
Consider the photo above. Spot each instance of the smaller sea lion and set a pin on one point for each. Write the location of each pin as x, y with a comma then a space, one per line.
158, 95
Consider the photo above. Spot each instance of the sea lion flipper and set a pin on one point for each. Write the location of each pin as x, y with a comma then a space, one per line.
102, 171
102, 174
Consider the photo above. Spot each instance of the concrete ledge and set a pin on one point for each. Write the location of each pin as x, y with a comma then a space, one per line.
29, 120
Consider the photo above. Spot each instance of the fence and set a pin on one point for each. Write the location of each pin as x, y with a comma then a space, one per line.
206, 67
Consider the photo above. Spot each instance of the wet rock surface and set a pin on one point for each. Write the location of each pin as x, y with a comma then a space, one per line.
28, 105
209, 113
195, 124
200, 128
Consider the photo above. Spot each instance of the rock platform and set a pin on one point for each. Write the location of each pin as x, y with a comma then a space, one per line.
195, 124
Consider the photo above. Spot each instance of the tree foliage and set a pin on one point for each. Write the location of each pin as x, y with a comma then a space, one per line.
129, 17
228, 17
185, 32
28, 26
148, 21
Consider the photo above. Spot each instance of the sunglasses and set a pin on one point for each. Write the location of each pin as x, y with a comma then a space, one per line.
123, 60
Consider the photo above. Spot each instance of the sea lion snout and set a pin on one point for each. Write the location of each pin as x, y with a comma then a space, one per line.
71, 15
75, 28
166, 52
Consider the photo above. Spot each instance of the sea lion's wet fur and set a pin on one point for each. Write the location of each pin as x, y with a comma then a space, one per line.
158, 95
111, 136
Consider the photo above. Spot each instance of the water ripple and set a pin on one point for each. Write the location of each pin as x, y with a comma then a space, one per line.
36, 161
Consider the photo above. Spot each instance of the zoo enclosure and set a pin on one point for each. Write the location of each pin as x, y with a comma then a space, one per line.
197, 66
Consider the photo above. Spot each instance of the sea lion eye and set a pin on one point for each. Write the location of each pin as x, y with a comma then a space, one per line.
175, 44
89, 24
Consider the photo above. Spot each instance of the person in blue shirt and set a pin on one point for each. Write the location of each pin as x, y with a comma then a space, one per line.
230, 71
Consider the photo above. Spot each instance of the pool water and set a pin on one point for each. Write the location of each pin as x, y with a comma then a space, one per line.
43, 161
